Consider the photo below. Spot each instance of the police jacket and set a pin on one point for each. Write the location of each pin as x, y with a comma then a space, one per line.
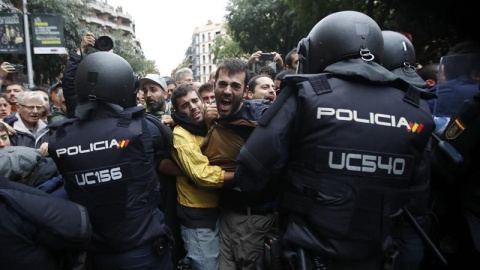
107, 161
35, 227
352, 143
459, 183
24, 136
68, 84
451, 94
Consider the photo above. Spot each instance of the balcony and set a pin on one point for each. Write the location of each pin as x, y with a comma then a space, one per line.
101, 7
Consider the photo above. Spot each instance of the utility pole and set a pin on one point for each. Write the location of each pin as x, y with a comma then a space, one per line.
27, 45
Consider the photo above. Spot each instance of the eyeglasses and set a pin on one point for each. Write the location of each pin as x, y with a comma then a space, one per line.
31, 108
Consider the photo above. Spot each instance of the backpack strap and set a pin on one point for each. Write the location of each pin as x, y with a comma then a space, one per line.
124, 120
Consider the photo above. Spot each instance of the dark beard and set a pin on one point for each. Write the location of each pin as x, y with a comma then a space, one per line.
156, 107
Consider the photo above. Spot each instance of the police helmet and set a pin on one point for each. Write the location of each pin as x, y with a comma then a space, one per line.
339, 36
107, 77
398, 50
399, 57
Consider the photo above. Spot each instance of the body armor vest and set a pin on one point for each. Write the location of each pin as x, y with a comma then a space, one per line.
356, 152
106, 169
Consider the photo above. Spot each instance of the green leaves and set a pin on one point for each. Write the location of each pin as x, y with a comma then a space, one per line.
48, 69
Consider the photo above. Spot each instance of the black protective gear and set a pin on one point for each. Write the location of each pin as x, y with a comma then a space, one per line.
339, 36
398, 52
105, 76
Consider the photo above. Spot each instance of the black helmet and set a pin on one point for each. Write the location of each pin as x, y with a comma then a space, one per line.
105, 76
339, 36
398, 51
399, 57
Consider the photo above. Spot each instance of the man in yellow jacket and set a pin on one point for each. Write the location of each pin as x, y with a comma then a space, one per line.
197, 206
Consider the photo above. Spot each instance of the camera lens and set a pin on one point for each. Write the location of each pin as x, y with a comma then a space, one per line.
104, 43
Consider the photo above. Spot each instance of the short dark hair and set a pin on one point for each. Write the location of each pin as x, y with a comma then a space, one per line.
205, 87
267, 70
429, 71
16, 83
288, 58
464, 47
253, 82
233, 66
180, 91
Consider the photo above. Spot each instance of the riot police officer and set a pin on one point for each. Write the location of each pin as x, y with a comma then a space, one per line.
107, 157
399, 57
455, 185
351, 138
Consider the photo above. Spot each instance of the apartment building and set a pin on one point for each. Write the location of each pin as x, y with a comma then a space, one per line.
109, 18
198, 54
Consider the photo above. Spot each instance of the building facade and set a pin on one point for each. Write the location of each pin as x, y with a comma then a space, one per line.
199, 53
109, 18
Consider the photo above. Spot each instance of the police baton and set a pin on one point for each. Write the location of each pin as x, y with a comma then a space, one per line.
448, 150
424, 236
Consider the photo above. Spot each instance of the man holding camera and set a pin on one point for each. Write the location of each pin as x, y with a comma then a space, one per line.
262, 58
88, 40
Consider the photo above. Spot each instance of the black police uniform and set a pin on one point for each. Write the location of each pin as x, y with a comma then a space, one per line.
456, 189
108, 166
352, 142
39, 231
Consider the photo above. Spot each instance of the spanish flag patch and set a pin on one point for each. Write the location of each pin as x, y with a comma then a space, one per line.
455, 129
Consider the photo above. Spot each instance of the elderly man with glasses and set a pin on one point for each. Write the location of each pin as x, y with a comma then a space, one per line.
31, 131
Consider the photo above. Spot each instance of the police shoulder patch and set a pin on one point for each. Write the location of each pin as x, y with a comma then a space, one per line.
454, 129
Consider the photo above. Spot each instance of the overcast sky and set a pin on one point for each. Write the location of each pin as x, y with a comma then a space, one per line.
165, 27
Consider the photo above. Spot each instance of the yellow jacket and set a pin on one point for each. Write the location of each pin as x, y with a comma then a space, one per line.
199, 186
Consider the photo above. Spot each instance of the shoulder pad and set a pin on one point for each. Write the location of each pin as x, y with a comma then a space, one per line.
154, 119
296, 78
126, 115
135, 110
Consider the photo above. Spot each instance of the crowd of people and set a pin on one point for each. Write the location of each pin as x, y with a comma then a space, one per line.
344, 154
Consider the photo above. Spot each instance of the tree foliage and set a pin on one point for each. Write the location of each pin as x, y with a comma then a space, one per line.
48, 68
279, 25
262, 25
224, 47
150, 67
